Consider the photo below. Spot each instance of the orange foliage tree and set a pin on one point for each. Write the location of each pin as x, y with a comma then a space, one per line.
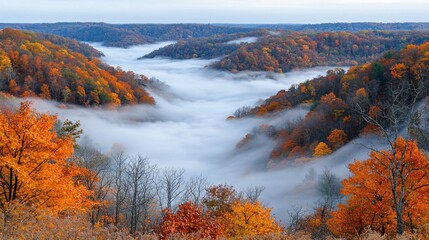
337, 138
398, 71
361, 92
189, 221
378, 185
34, 170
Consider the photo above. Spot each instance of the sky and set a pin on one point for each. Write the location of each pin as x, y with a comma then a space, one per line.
214, 11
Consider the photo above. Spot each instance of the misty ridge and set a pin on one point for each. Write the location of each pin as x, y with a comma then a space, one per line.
187, 128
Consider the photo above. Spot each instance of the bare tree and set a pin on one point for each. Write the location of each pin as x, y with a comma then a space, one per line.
419, 126
253, 193
328, 188
296, 219
195, 189
97, 179
120, 186
242, 112
170, 185
140, 179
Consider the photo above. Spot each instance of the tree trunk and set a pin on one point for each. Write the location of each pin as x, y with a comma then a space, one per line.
399, 222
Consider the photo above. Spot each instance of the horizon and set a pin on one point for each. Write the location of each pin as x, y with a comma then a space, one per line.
213, 23
211, 11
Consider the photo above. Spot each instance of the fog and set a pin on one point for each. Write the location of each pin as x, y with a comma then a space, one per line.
243, 40
188, 128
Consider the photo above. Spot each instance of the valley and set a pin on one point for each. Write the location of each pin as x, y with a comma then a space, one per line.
187, 128
198, 126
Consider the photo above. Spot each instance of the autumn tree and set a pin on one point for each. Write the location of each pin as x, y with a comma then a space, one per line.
321, 150
4, 62
189, 221
218, 199
13, 87
45, 92
337, 138
378, 186
34, 170
394, 116
250, 219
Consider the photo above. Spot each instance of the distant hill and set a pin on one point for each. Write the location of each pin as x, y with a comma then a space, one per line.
334, 27
205, 48
283, 51
61, 69
337, 101
125, 35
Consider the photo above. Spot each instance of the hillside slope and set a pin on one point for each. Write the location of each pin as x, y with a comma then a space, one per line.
64, 70
205, 48
286, 51
339, 102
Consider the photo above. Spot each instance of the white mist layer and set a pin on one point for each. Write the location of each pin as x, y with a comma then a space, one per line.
243, 40
187, 127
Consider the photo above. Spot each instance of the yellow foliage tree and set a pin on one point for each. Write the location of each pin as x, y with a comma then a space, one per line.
115, 99
249, 219
4, 62
34, 170
321, 149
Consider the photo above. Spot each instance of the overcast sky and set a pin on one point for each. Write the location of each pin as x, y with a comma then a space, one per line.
214, 11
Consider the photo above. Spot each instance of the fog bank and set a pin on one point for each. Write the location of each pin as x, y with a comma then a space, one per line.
187, 127
243, 40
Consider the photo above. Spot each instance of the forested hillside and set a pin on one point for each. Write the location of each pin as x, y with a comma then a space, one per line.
340, 26
53, 67
125, 35
284, 51
204, 48
343, 105
288, 51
